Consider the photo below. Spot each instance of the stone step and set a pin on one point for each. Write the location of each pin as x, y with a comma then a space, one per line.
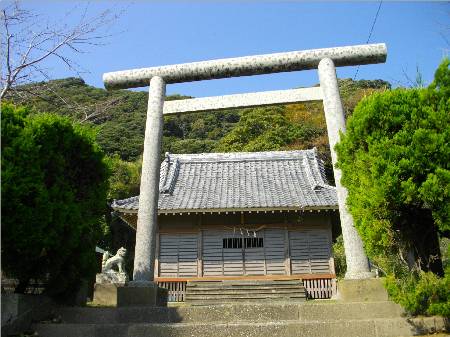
221, 298
252, 292
252, 282
345, 328
211, 300
306, 311
233, 283
331, 310
281, 287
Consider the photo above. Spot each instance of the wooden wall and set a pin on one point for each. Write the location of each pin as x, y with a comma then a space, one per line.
192, 246
178, 255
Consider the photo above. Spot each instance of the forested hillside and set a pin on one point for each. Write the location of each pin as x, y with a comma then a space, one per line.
120, 119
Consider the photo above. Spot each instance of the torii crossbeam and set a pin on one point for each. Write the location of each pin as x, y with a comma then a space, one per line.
324, 60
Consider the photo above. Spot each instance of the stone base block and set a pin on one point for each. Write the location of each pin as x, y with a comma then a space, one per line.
367, 290
106, 294
137, 295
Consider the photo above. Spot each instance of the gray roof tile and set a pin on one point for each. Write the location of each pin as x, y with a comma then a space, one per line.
238, 181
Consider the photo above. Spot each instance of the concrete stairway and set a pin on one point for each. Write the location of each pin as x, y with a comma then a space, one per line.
217, 292
312, 319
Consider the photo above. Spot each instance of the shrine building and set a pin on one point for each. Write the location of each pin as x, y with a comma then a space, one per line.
242, 216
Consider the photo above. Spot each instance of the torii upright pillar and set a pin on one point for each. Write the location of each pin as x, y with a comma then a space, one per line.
144, 251
357, 262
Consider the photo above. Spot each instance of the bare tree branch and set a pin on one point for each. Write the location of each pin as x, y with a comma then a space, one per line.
28, 43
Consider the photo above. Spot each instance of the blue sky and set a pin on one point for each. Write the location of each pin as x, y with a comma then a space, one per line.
152, 33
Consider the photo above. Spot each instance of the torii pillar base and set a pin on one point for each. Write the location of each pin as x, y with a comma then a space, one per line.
362, 290
142, 294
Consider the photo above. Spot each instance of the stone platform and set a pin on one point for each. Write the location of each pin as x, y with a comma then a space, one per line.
312, 319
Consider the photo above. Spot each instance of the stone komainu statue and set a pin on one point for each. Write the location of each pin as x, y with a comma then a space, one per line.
118, 260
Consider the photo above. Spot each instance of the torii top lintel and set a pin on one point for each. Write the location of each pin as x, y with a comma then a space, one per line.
247, 65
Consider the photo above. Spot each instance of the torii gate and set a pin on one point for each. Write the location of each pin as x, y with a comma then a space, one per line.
157, 77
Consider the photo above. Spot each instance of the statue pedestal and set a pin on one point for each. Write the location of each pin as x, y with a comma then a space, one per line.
106, 294
106, 288
112, 277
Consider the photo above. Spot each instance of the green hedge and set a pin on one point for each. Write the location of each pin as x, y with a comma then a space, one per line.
54, 187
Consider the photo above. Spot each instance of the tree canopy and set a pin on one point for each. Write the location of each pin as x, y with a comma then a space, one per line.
395, 163
265, 129
54, 188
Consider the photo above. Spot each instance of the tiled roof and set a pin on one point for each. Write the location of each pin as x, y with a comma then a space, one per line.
209, 182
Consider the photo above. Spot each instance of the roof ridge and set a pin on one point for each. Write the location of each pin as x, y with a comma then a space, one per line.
315, 184
309, 174
244, 156
164, 172
171, 177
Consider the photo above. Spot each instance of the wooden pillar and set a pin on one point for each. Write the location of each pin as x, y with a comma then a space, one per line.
287, 252
200, 247
330, 243
156, 271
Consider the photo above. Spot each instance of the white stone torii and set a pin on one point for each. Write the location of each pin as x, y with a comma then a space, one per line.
324, 60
